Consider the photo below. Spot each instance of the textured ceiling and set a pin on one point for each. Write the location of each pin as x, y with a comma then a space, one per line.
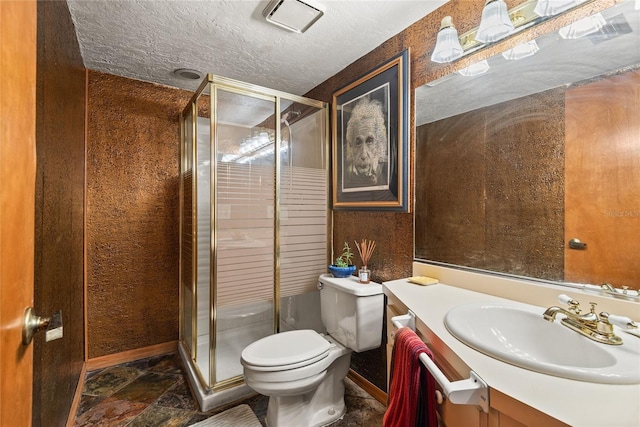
147, 40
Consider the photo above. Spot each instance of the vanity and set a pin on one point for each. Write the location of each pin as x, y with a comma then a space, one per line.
517, 396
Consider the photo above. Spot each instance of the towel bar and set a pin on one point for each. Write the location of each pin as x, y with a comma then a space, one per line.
472, 391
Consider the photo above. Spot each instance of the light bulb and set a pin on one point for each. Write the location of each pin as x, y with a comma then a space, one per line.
554, 7
584, 26
521, 51
475, 69
448, 46
495, 23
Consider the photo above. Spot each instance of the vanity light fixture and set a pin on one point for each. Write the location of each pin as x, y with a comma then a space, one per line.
584, 26
495, 23
475, 69
523, 50
520, 16
554, 7
448, 46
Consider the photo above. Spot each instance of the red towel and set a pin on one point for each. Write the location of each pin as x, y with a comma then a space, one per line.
412, 389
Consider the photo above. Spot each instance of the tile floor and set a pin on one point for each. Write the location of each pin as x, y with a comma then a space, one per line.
154, 392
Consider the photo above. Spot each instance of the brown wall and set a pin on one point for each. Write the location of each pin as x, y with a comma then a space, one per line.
490, 194
59, 279
394, 254
394, 250
132, 213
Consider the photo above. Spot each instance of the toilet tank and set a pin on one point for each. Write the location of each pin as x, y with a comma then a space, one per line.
352, 312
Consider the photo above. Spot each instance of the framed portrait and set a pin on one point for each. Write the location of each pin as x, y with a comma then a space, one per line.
370, 132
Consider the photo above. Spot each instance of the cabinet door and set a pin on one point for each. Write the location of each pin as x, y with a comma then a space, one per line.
452, 415
508, 412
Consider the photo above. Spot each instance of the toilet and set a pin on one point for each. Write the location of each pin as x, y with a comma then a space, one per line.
302, 371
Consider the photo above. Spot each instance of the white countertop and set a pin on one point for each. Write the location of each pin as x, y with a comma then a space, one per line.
573, 402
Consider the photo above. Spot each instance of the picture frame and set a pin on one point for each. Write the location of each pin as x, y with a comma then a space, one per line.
370, 132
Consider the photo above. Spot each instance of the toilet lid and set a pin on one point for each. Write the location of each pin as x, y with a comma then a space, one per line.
286, 348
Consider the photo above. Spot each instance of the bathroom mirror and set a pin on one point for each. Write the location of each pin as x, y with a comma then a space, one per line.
532, 168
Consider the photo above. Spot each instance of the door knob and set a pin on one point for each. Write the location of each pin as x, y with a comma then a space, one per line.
577, 244
34, 323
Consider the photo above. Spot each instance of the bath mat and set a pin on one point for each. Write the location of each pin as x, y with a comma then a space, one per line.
239, 416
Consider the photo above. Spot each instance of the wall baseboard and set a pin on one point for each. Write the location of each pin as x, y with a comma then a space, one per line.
77, 396
131, 355
364, 384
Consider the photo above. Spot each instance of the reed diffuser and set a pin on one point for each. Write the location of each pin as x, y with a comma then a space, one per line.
365, 249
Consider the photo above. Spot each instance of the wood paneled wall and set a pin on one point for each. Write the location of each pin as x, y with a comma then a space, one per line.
59, 212
132, 213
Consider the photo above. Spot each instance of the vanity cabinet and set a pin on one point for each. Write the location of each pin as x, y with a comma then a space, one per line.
504, 411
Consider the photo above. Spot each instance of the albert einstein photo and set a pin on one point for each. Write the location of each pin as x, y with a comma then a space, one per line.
365, 161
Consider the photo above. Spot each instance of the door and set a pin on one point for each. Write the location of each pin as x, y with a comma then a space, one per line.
17, 197
602, 174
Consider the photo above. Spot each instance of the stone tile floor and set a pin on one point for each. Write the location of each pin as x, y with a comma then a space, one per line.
154, 392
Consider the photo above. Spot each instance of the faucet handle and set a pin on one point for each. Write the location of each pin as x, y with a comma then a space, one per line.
622, 321
566, 299
573, 304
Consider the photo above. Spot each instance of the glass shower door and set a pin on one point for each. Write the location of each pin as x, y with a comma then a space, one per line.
187, 292
254, 225
245, 226
304, 217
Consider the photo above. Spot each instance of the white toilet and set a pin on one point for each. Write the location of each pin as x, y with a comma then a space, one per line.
302, 371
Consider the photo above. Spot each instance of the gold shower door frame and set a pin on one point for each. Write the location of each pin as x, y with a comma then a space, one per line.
211, 85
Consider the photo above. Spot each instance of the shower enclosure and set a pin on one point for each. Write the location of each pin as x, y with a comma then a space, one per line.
254, 224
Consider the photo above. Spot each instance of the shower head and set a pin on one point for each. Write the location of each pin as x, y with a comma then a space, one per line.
289, 115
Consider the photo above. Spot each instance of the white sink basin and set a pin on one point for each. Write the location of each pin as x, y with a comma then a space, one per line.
520, 336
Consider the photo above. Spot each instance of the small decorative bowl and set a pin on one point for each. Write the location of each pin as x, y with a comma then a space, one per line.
342, 271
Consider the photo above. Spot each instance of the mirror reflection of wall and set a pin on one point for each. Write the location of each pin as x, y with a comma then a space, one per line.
492, 184
514, 163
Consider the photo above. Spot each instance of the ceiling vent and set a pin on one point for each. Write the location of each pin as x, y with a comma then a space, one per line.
293, 15
187, 74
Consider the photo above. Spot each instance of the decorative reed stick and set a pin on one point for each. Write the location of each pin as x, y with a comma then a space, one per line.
365, 249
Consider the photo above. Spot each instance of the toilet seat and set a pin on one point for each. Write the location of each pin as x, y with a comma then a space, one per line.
285, 351
304, 372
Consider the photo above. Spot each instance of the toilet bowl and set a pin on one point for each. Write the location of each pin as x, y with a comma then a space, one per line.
303, 371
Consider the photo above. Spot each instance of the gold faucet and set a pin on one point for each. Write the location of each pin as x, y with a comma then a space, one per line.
592, 325
624, 291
